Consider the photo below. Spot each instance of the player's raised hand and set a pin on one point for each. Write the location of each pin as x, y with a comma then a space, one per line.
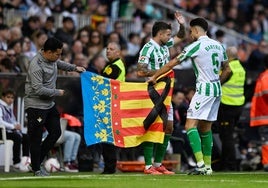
179, 17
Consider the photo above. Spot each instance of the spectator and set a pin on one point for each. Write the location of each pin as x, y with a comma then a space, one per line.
22, 61
91, 7
95, 43
80, 60
49, 26
99, 15
83, 36
68, 6
230, 40
70, 149
132, 74
255, 60
3, 54
259, 113
26, 48
15, 34
119, 28
147, 26
6, 65
145, 10
112, 37
39, 37
262, 17
66, 33
133, 45
97, 64
31, 25
219, 36
4, 36
256, 32
132, 50
76, 48
101, 27
11, 54
41, 9
16, 22
13, 127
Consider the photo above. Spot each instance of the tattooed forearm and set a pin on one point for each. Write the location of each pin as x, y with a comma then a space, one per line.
143, 71
182, 32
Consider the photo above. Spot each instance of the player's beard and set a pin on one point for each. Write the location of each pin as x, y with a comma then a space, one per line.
163, 43
194, 39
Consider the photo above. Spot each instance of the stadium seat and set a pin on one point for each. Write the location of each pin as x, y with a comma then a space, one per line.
8, 146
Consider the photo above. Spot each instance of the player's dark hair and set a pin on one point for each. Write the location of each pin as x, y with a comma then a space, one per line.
160, 26
52, 44
201, 22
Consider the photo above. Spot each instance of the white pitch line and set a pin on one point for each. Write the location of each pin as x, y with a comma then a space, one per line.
119, 176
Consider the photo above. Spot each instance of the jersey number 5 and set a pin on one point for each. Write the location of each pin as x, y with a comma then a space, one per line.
215, 63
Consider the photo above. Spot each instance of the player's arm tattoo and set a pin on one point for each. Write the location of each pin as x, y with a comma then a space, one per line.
143, 71
226, 73
182, 32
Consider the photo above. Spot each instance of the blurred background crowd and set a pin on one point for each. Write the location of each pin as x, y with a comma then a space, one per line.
86, 26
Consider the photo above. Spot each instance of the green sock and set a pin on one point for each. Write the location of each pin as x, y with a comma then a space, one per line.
148, 149
195, 143
207, 143
161, 149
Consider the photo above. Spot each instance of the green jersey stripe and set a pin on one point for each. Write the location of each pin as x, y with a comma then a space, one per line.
215, 89
193, 50
207, 91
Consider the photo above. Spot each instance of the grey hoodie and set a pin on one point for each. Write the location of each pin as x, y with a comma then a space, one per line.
40, 86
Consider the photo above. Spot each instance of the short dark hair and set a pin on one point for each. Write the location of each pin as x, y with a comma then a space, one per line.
219, 33
201, 22
3, 27
8, 91
50, 19
7, 63
160, 26
52, 44
33, 19
67, 18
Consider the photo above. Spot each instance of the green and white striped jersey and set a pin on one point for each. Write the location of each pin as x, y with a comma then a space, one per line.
206, 56
155, 55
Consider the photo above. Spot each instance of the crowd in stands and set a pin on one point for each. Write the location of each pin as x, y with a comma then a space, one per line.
21, 37
26, 35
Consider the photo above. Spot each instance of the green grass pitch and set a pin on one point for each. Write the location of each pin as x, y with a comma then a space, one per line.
135, 180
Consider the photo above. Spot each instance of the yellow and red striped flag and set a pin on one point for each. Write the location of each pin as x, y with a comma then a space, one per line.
115, 111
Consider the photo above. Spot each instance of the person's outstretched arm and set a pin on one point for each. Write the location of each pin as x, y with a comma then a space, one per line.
167, 67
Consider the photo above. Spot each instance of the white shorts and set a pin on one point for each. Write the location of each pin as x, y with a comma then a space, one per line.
204, 107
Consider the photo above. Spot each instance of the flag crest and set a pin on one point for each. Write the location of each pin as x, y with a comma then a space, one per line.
115, 111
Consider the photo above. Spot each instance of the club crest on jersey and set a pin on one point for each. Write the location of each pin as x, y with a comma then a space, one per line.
142, 58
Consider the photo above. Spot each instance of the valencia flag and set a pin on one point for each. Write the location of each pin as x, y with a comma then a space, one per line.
125, 113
